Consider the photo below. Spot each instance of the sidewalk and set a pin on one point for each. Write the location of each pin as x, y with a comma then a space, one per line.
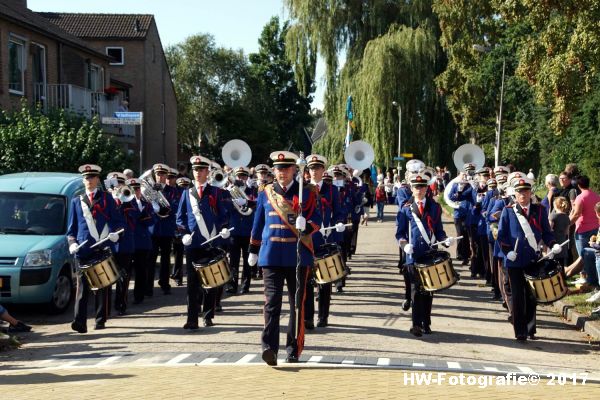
262, 382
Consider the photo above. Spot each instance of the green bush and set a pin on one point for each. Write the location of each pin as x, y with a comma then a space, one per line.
33, 141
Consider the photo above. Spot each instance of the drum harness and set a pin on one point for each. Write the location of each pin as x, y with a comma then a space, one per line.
199, 218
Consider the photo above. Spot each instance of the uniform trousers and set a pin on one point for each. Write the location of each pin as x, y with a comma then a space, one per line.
161, 245
505, 289
422, 301
496, 276
404, 272
196, 295
273, 279
324, 301
342, 282
122, 286
178, 253
141, 269
523, 302
476, 252
239, 247
101, 300
462, 245
354, 238
483, 251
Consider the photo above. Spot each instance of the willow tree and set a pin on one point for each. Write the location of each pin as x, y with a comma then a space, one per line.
392, 53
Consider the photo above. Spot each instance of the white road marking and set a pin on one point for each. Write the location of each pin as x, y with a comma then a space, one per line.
108, 360
527, 370
491, 369
348, 362
453, 365
383, 361
418, 364
246, 359
315, 359
178, 358
208, 361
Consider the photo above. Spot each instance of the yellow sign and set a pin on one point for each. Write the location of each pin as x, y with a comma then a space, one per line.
407, 155
1, 282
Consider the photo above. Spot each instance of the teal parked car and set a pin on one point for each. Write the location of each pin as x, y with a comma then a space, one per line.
35, 264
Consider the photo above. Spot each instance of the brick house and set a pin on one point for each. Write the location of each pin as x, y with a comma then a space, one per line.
138, 71
42, 63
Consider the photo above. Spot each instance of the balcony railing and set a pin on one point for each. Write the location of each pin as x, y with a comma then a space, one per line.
81, 101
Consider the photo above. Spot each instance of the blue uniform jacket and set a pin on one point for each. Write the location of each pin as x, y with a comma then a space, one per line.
331, 213
104, 210
276, 241
493, 216
243, 223
509, 230
402, 195
432, 222
213, 208
358, 193
130, 214
145, 220
165, 227
462, 212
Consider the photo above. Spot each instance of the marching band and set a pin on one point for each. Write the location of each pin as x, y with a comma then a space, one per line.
285, 224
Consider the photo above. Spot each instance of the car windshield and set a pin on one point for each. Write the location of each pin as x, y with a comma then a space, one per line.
32, 214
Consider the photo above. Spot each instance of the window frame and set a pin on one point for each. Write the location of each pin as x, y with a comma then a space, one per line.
19, 41
122, 54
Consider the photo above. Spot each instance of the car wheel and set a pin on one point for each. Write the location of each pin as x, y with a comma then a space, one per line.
62, 294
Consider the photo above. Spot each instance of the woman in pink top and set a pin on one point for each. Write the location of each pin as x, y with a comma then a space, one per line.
586, 225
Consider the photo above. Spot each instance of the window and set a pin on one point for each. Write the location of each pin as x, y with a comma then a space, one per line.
117, 55
16, 65
38, 71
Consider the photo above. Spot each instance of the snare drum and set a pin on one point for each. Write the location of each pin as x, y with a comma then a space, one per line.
329, 266
547, 281
213, 270
435, 271
101, 271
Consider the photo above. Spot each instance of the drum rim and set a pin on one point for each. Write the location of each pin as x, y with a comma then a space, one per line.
447, 257
552, 273
212, 262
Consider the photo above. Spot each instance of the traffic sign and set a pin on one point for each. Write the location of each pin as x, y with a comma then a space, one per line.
407, 155
120, 121
398, 158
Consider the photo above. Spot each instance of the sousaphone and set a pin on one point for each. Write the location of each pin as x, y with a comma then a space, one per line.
236, 153
359, 155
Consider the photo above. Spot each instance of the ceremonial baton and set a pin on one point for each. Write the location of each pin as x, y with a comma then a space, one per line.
106, 238
215, 237
301, 163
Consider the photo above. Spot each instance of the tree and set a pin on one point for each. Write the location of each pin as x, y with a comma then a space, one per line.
391, 53
207, 80
32, 141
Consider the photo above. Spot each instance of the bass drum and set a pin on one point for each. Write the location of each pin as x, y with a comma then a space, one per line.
547, 281
435, 271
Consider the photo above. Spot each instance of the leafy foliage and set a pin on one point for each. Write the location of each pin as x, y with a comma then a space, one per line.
32, 141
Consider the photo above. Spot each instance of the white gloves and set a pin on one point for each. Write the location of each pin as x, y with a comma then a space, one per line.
556, 249
113, 237
301, 223
409, 249
512, 256
252, 259
339, 227
155, 207
449, 241
225, 233
186, 239
240, 201
73, 248
323, 232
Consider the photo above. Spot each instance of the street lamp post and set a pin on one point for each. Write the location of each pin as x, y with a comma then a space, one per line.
498, 144
396, 104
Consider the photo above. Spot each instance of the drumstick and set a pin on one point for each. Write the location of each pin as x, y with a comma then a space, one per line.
81, 245
333, 227
215, 237
442, 241
516, 245
106, 238
550, 252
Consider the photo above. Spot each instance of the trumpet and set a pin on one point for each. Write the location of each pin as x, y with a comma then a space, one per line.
154, 197
124, 193
219, 178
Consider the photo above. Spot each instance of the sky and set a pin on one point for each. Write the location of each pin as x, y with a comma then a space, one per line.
233, 23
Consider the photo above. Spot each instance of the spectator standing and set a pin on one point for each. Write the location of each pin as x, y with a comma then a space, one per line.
583, 215
388, 183
380, 199
559, 222
551, 182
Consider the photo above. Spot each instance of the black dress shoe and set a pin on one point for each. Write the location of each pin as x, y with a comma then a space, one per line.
270, 357
219, 308
339, 289
231, 290
208, 322
189, 325
99, 326
245, 290
426, 330
121, 312
532, 336
309, 325
521, 338
179, 283
406, 305
77, 327
19, 327
291, 359
416, 330
322, 323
